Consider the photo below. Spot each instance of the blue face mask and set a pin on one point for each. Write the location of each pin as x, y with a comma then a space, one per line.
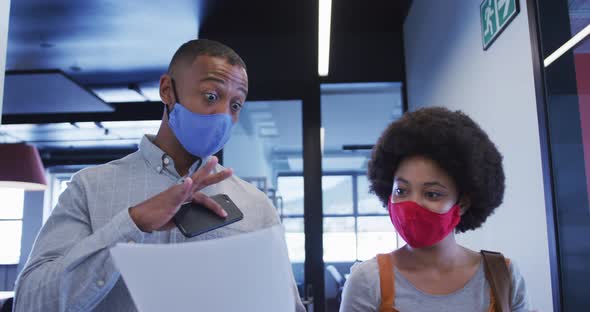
200, 135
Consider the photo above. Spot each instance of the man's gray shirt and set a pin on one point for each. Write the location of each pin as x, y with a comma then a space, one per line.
70, 268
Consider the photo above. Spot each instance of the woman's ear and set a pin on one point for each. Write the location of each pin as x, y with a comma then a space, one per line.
464, 204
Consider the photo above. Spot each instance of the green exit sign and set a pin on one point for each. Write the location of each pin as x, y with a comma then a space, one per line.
495, 16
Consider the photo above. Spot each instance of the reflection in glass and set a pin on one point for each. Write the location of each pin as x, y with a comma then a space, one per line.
337, 194
339, 239
375, 235
356, 226
367, 202
290, 192
295, 238
266, 149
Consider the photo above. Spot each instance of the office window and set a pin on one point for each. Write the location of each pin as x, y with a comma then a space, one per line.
11, 223
60, 182
367, 203
57, 182
295, 237
340, 243
356, 226
290, 205
337, 195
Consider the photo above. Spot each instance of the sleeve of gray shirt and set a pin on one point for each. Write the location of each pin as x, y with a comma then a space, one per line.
360, 294
520, 300
70, 268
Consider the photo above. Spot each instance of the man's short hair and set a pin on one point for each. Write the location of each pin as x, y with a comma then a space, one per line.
189, 51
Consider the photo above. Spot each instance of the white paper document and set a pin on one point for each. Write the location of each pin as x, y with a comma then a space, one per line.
246, 272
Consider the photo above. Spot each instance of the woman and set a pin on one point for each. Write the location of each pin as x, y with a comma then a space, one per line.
439, 174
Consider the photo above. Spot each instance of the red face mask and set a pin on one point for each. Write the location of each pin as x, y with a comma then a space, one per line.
420, 227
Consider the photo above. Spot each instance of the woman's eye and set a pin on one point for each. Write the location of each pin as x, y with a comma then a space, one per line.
400, 192
433, 195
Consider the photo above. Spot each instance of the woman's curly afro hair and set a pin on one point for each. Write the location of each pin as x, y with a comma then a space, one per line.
457, 144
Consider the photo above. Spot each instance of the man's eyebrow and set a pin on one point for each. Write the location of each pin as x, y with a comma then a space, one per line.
243, 90
214, 79
221, 81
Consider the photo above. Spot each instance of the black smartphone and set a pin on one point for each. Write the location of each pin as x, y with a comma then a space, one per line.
195, 219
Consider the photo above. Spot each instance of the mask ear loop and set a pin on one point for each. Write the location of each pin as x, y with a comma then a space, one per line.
175, 96
167, 111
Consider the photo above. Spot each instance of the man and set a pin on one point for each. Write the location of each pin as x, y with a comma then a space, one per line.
134, 199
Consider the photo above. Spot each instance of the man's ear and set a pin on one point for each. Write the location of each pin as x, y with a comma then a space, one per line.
166, 93
464, 204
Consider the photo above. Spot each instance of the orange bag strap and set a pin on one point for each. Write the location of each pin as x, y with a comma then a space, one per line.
387, 281
498, 277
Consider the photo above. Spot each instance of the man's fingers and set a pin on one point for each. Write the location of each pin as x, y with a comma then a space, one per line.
157, 211
205, 170
181, 193
215, 178
209, 203
203, 177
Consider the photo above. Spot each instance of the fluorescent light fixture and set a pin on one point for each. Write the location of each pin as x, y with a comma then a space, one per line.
259, 116
343, 163
266, 132
322, 134
331, 163
5, 13
325, 14
85, 125
121, 94
359, 87
268, 124
568, 45
151, 93
136, 124
150, 90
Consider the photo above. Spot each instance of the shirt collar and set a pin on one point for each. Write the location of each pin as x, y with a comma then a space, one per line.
158, 160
